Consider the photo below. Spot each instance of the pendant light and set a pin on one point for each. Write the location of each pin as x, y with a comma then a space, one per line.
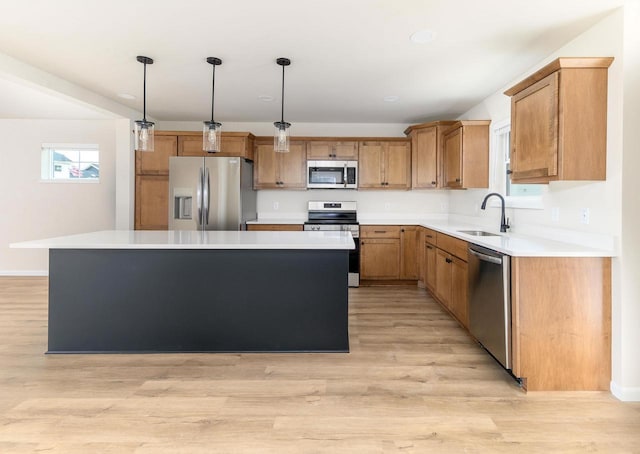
281, 136
144, 128
211, 129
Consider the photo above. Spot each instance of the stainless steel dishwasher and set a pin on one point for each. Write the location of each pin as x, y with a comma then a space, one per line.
490, 301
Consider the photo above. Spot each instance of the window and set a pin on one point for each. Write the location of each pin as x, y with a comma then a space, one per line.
70, 162
517, 195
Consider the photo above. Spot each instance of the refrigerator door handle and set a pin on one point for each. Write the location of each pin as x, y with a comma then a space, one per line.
199, 196
205, 201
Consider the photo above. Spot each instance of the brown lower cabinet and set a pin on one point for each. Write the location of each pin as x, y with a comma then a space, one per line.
445, 272
275, 227
388, 252
560, 312
561, 320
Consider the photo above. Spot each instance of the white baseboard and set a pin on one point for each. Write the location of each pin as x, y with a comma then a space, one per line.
24, 273
625, 394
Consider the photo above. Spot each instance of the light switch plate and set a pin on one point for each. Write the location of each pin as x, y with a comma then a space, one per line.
584, 215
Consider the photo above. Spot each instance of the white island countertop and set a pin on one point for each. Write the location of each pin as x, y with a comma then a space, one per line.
186, 239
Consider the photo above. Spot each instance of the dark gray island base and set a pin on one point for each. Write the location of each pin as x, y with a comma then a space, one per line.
197, 300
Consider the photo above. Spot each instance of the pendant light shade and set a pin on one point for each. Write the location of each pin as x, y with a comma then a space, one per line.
143, 128
211, 131
281, 135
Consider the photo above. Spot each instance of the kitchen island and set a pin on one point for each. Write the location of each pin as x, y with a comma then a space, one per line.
188, 291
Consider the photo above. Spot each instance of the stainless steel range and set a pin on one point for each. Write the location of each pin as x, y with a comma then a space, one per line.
340, 216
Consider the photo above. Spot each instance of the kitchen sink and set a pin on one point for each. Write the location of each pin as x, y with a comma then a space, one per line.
478, 233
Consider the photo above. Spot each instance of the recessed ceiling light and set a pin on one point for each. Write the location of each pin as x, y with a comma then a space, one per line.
391, 98
126, 96
423, 36
265, 98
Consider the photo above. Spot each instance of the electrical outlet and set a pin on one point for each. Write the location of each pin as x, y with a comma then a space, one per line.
444, 206
387, 206
476, 208
584, 215
555, 214
276, 205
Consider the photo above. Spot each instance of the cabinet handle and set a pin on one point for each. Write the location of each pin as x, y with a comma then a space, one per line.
429, 236
433, 183
379, 231
457, 180
429, 247
402, 230
449, 260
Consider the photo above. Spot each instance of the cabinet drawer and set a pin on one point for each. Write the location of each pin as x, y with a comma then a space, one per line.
275, 227
430, 236
452, 245
380, 231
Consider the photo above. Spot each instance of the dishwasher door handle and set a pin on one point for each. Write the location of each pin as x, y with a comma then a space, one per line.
486, 258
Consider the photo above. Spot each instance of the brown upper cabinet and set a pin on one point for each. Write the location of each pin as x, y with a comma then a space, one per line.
559, 122
274, 170
384, 164
466, 155
330, 150
426, 153
156, 162
233, 144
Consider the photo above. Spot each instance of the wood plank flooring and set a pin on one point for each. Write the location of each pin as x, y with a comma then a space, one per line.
414, 382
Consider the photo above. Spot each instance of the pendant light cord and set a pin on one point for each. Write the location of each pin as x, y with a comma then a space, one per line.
282, 109
144, 95
213, 90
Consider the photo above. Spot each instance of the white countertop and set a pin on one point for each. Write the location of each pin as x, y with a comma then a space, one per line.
185, 239
513, 244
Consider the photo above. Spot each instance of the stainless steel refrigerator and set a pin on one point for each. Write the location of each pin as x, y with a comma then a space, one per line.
212, 193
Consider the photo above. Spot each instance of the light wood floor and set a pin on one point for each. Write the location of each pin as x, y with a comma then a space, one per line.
414, 382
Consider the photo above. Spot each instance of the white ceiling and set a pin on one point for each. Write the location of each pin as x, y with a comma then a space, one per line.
347, 55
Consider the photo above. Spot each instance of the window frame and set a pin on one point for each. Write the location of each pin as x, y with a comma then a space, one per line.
46, 163
500, 156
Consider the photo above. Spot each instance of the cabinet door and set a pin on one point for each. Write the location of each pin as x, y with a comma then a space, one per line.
534, 130
453, 159
397, 165
152, 202
380, 258
370, 165
156, 162
292, 169
430, 259
409, 252
424, 156
443, 277
459, 290
266, 170
332, 150
232, 146
346, 150
275, 227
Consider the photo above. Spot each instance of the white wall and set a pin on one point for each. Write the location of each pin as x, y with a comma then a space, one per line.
32, 209
612, 203
626, 309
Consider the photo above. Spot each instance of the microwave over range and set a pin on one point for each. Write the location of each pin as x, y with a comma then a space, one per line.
332, 174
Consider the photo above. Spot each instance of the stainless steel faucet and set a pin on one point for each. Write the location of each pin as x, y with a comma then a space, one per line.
504, 223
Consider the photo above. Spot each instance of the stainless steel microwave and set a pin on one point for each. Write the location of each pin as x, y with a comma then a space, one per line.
332, 174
